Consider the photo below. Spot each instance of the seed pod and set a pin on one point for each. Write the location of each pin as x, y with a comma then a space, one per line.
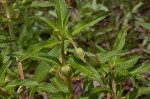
80, 53
66, 71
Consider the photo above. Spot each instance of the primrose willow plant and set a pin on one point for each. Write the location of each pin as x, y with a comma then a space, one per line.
107, 68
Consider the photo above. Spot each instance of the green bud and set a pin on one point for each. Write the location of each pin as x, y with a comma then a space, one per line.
66, 71
80, 53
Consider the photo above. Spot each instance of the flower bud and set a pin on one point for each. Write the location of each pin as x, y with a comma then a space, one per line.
66, 71
80, 53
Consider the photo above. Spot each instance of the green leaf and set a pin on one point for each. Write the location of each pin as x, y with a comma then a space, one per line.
3, 70
88, 22
1, 61
19, 82
100, 48
42, 4
43, 69
87, 69
144, 24
5, 53
52, 61
95, 91
47, 87
61, 11
107, 55
128, 62
37, 47
143, 68
40, 72
59, 85
51, 23
122, 71
120, 41
138, 92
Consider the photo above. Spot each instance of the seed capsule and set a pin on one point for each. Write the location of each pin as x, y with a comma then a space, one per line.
80, 53
66, 71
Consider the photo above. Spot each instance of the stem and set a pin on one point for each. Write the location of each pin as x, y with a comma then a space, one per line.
63, 51
69, 85
113, 79
114, 86
12, 37
10, 24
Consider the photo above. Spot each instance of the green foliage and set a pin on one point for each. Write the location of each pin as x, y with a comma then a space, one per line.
39, 57
88, 22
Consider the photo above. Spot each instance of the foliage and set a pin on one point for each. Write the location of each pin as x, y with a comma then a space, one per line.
40, 52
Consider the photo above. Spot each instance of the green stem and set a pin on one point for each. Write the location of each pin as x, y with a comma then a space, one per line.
113, 79
63, 51
10, 24
114, 86
69, 85
12, 37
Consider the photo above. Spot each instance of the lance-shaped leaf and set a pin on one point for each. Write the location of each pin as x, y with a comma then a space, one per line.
3, 70
61, 11
40, 72
128, 62
120, 41
51, 23
43, 69
138, 92
88, 22
141, 69
49, 87
37, 47
19, 82
95, 91
52, 61
87, 69
59, 85
144, 24
107, 55
42, 4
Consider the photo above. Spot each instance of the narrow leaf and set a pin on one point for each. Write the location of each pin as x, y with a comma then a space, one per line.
59, 85
138, 92
94, 91
143, 68
43, 69
107, 55
144, 24
120, 41
87, 69
42, 4
61, 11
88, 22
52, 61
3, 70
51, 23
18, 82
37, 47
47, 87
128, 62
40, 72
